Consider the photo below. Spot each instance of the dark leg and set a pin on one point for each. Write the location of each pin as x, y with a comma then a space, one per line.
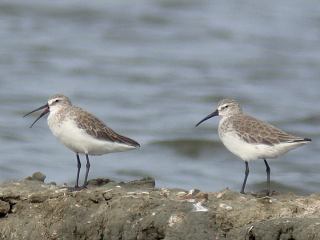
268, 176
78, 172
87, 172
245, 177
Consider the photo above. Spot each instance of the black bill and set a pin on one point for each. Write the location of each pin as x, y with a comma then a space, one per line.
46, 110
215, 113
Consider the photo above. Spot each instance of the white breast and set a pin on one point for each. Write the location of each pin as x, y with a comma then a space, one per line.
248, 152
79, 141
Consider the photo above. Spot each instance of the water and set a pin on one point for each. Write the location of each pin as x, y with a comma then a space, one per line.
151, 70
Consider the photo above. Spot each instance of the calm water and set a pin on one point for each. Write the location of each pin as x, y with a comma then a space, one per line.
152, 69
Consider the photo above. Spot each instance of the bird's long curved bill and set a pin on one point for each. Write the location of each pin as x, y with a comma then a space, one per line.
46, 110
215, 113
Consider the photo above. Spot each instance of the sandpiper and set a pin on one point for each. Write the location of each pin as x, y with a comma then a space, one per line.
251, 139
81, 131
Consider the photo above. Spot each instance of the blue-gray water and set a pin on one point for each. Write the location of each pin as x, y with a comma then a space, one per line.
151, 69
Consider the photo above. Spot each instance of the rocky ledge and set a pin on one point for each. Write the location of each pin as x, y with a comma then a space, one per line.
32, 209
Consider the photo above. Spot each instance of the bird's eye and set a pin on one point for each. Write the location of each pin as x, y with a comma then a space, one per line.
226, 106
57, 100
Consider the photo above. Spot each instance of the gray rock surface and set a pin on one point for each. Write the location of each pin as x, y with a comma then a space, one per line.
31, 209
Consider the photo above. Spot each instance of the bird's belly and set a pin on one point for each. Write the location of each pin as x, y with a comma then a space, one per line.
248, 152
79, 141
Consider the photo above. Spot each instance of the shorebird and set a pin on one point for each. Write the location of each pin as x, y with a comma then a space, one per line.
251, 139
81, 132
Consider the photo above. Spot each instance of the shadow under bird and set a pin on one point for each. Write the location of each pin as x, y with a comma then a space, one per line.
81, 132
251, 139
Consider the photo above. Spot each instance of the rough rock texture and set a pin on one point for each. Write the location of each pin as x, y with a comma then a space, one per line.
31, 209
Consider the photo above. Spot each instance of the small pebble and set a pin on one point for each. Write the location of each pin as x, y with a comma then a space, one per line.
225, 206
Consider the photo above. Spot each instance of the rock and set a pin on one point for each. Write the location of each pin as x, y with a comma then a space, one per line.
37, 176
38, 197
138, 210
291, 228
147, 182
4, 208
99, 181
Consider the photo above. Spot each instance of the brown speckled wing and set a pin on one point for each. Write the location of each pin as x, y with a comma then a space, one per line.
96, 128
255, 131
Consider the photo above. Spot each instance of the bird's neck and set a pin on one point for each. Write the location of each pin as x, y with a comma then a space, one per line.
228, 117
58, 114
